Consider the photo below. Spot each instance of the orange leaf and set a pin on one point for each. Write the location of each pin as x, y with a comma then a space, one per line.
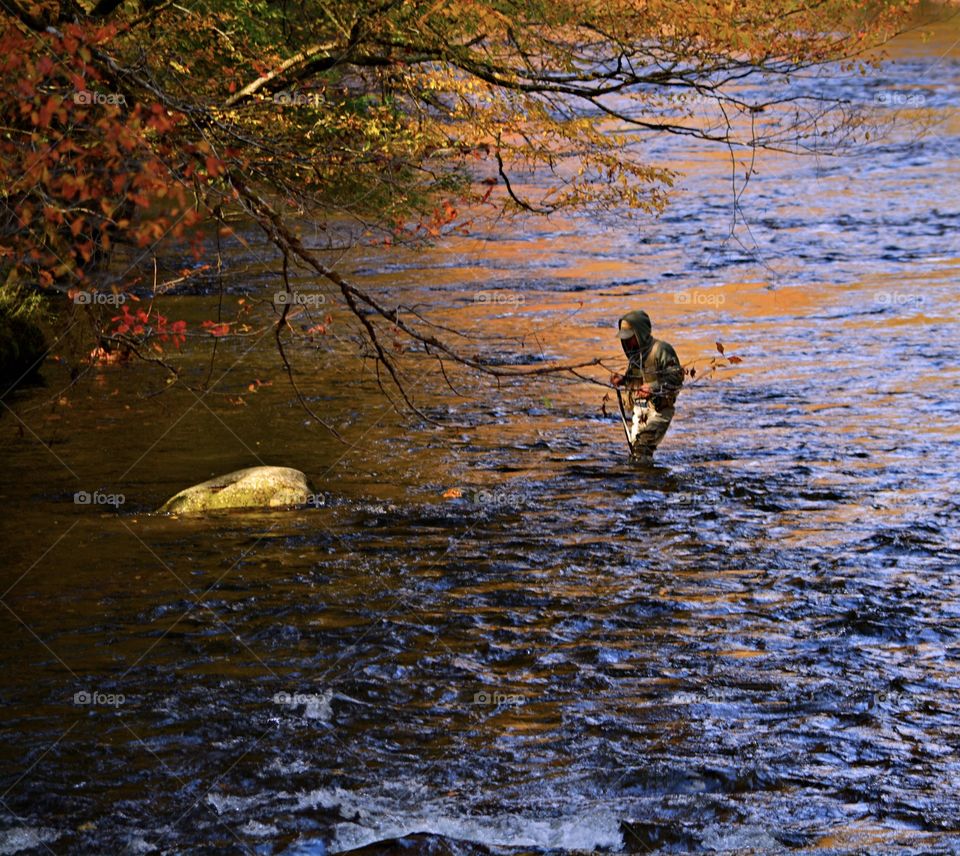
215, 329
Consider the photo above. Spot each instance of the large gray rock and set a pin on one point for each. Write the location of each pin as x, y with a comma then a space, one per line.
255, 487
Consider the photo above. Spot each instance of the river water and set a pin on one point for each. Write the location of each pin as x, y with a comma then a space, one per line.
751, 647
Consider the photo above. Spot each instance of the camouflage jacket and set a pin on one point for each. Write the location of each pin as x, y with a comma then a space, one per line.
655, 364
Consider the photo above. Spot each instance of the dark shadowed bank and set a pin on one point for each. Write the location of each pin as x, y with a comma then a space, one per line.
23, 348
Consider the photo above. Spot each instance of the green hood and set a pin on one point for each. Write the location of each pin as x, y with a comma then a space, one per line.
639, 322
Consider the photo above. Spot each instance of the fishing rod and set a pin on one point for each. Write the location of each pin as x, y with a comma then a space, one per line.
623, 419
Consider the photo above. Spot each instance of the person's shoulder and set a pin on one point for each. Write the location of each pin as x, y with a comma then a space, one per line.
664, 350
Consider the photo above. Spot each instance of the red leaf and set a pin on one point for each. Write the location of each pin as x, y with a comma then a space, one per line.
735, 359
719, 347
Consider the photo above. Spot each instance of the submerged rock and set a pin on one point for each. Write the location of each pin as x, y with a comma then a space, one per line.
255, 487
423, 843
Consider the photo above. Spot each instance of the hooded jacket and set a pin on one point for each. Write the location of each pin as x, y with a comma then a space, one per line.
655, 364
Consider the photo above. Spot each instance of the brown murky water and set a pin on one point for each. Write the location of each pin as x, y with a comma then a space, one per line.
753, 646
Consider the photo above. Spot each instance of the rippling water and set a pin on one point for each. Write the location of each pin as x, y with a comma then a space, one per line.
753, 646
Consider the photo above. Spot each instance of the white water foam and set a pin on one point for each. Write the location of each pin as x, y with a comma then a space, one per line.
26, 837
384, 816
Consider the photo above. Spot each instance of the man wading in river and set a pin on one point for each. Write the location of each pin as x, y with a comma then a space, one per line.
652, 379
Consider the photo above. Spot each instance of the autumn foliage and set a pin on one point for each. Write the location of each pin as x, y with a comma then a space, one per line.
138, 123
79, 170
